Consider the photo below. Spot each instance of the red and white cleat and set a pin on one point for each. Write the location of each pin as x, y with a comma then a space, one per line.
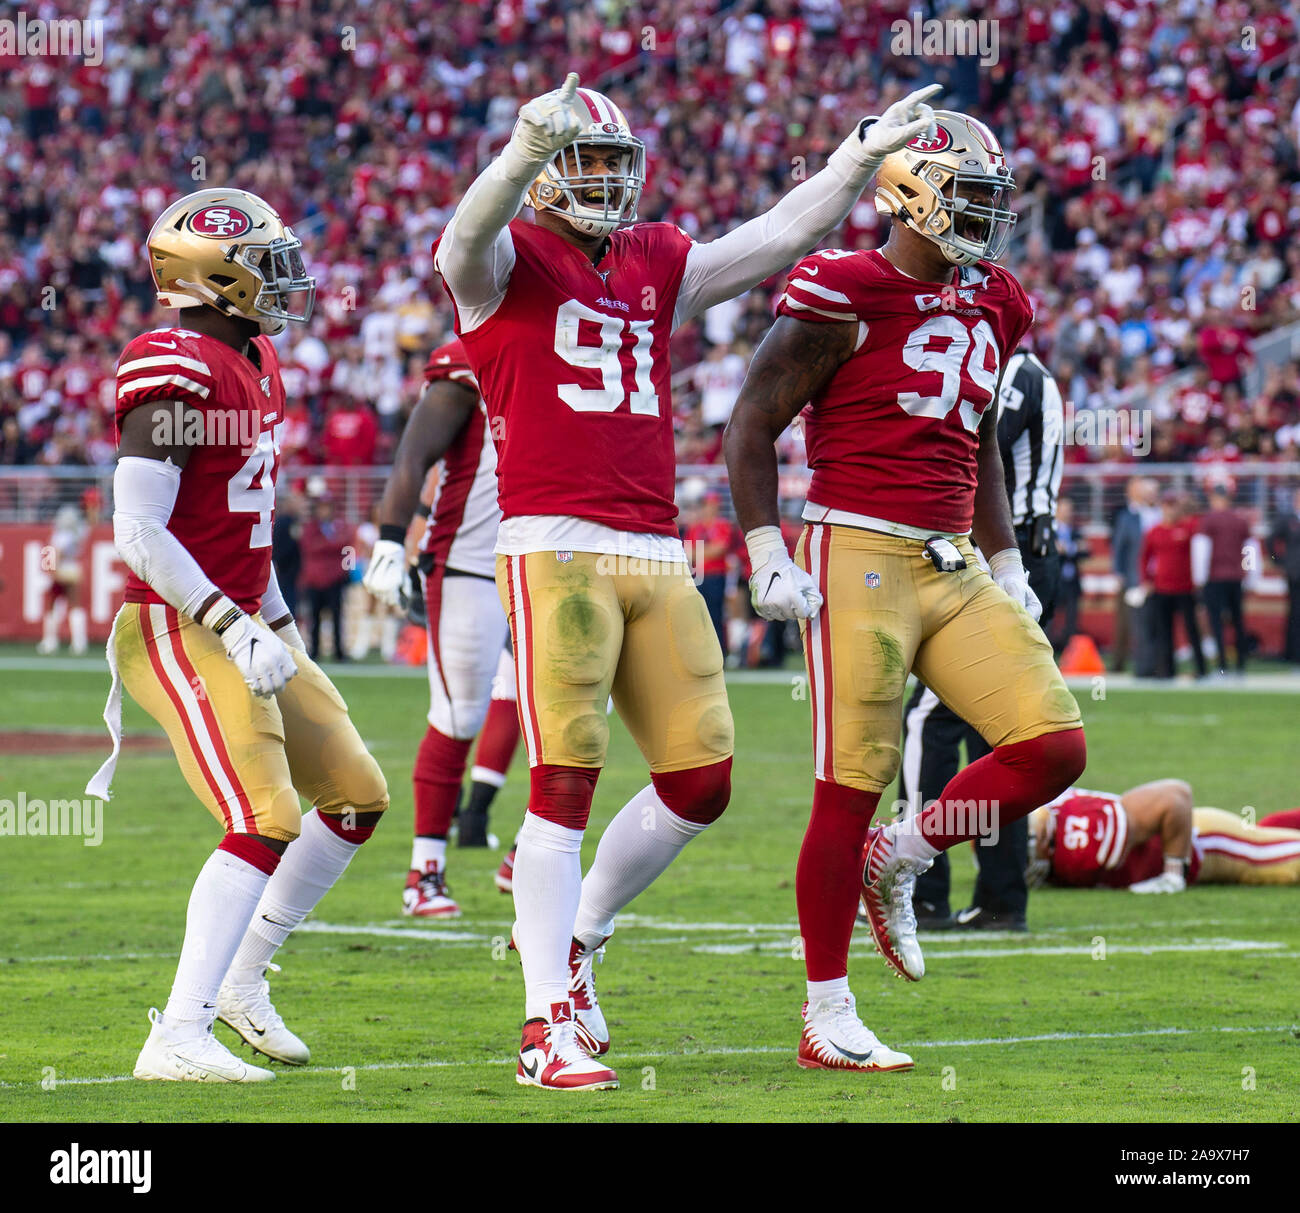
593, 1033
834, 1038
888, 880
505, 877
426, 895
551, 1057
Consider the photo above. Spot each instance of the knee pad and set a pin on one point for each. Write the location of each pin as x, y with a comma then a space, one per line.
699, 794
586, 736
563, 794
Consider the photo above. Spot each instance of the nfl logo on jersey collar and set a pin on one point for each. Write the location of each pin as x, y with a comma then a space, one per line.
873, 581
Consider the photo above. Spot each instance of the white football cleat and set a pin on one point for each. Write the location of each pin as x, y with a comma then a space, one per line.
426, 895
248, 1010
888, 881
834, 1038
593, 1033
197, 1057
551, 1057
1166, 882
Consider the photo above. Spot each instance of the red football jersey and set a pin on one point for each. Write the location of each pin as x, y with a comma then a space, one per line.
574, 368
463, 518
226, 501
894, 433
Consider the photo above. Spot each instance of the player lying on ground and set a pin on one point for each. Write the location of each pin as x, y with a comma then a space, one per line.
204, 642
1151, 840
465, 620
566, 323
900, 351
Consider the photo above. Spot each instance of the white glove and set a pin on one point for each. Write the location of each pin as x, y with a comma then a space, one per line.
550, 122
902, 122
1166, 882
386, 571
259, 654
779, 588
1008, 571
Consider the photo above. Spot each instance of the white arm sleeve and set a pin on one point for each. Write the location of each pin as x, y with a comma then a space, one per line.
144, 495
476, 253
732, 264
273, 603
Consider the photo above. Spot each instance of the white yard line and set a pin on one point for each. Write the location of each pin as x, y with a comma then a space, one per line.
976, 1043
863, 947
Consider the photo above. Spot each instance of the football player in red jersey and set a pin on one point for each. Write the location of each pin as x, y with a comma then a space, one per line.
1151, 839
900, 350
204, 641
467, 626
566, 322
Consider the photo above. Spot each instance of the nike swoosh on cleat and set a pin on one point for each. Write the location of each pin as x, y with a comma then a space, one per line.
967, 915
531, 1070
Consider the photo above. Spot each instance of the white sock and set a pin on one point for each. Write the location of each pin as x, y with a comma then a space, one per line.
839, 989
426, 851
311, 864
77, 629
389, 633
222, 902
637, 846
909, 842
547, 886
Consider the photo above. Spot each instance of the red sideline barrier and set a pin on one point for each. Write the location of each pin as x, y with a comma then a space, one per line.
24, 581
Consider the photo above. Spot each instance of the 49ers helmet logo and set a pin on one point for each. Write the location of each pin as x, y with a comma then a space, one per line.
934, 143
219, 222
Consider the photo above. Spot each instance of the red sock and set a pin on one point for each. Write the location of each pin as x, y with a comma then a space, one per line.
828, 879
1006, 785
439, 768
1287, 819
500, 736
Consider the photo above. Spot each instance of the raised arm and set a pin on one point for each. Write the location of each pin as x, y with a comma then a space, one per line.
436, 420
795, 361
476, 254
732, 264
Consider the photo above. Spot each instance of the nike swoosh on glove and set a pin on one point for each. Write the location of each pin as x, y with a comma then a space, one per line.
550, 122
899, 124
386, 571
779, 588
263, 659
1008, 570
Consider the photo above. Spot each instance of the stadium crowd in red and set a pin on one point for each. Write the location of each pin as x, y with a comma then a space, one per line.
1154, 145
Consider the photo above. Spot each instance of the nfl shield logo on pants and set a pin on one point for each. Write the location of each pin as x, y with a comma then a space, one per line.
564, 557
873, 581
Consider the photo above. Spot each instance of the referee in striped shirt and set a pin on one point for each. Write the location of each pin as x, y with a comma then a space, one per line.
1031, 422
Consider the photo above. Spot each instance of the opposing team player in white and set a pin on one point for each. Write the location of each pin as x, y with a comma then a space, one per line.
566, 323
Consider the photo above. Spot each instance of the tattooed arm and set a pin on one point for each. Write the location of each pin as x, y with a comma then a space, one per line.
794, 362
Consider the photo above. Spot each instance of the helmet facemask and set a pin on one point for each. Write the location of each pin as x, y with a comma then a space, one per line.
289, 292
595, 203
973, 217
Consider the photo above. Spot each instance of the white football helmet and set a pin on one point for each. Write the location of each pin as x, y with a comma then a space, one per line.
953, 187
597, 204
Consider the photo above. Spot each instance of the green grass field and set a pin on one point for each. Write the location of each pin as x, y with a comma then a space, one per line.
1189, 1015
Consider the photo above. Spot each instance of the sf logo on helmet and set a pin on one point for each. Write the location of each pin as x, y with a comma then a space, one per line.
934, 143
219, 222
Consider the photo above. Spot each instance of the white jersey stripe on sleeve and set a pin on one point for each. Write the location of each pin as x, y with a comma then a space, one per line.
190, 385
822, 292
188, 364
795, 305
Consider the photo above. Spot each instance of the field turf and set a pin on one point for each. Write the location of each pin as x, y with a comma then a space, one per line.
1114, 1007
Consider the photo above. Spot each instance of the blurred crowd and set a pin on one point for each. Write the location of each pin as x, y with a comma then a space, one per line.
1154, 144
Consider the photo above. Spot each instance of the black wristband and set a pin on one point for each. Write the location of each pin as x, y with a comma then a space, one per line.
422, 511
392, 534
